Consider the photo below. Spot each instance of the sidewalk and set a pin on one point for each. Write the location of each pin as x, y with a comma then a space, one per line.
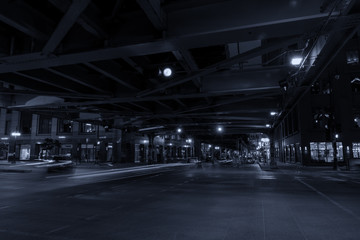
298, 167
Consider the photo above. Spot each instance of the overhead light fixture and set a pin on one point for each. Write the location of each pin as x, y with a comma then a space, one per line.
167, 72
268, 125
15, 134
296, 61
179, 130
219, 129
273, 113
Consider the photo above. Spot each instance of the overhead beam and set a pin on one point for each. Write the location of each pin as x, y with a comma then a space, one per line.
111, 76
36, 60
64, 75
74, 95
220, 65
169, 97
229, 101
17, 16
44, 81
164, 105
154, 12
129, 61
187, 61
85, 21
68, 20
139, 106
180, 102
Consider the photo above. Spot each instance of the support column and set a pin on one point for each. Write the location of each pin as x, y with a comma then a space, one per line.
197, 146
272, 149
151, 148
116, 144
2, 121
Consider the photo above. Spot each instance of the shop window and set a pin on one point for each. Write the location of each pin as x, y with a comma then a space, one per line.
88, 128
45, 124
25, 152
323, 151
25, 122
65, 126
356, 150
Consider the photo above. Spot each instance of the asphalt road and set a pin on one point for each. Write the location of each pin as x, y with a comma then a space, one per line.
219, 203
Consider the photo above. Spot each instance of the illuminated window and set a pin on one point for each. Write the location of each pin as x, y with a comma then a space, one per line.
356, 150
88, 128
323, 151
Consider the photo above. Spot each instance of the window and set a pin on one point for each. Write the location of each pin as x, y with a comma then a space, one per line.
88, 128
356, 150
25, 122
65, 126
323, 151
45, 125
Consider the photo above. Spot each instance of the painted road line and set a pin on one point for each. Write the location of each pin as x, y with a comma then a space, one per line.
330, 199
58, 229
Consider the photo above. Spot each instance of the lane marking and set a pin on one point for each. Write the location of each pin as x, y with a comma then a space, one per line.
330, 200
263, 217
58, 229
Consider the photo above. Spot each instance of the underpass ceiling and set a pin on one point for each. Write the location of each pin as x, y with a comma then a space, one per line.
104, 57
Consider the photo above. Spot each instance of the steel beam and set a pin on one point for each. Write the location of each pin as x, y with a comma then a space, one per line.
68, 20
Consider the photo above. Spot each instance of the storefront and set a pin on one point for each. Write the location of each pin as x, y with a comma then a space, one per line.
324, 152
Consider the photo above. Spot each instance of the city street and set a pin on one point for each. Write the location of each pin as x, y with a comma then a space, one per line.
182, 202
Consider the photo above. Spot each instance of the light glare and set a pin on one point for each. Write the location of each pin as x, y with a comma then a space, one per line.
167, 72
296, 60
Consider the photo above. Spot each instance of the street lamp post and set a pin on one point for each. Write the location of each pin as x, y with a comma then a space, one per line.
15, 134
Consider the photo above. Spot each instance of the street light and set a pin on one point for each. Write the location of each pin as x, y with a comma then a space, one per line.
15, 134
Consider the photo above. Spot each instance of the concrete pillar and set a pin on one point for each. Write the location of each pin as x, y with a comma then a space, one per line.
15, 118
34, 125
117, 140
152, 154
54, 128
272, 149
2, 121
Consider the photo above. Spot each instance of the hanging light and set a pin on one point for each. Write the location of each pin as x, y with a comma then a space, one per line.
167, 72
